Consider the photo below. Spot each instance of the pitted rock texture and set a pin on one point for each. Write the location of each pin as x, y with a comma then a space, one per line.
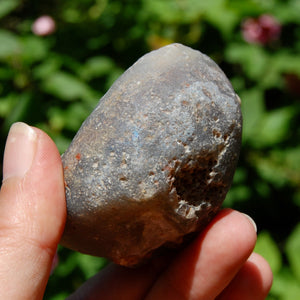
155, 159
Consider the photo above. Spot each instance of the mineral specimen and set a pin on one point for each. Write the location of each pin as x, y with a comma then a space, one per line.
155, 159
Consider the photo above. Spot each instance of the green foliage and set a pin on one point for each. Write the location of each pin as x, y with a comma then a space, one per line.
55, 81
293, 251
267, 247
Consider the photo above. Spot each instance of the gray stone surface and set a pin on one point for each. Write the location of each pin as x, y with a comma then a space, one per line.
155, 159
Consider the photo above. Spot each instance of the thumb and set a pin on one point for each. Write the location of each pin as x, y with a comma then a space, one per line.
32, 212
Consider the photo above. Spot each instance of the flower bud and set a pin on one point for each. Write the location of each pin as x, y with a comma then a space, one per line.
44, 25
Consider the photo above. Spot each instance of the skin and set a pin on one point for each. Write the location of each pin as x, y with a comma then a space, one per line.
218, 264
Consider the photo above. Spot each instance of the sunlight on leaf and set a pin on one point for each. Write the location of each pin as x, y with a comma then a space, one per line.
6, 6
293, 251
266, 247
9, 44
67, 87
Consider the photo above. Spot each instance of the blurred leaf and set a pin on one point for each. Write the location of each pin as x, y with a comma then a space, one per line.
112, 77
278, 166
263, 189
285, 62
7, 104
60, 296
184, 11
289, 160
293, 251
6, 73
253, 111
61, 142
252, 58
50, 65
20, 109
268, 170
274, 127
240, 175
6, 6
223, 18
96, 66
57, 118
285, 286
264, 129
287, 13
33, 49
237, 194
66, 87
168, 11
266, 247
69, 118
279, 64
9, 44
90, 265
246, 8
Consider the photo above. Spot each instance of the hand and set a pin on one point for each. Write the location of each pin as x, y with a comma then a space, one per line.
218, 264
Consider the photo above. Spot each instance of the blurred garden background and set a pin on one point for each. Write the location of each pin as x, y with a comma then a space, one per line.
57, 58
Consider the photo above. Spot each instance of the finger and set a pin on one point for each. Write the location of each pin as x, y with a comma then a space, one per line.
116, 282
190, 272
253, 281
32, 212
207, 266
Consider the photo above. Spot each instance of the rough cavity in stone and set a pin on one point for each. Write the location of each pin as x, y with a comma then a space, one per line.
155, 159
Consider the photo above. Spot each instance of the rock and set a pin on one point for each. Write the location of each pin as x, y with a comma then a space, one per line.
155, 159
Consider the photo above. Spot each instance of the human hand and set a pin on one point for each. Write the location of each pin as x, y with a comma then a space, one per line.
218, 264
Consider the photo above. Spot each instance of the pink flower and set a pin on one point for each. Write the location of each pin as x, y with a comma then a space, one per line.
261, 30
44, 25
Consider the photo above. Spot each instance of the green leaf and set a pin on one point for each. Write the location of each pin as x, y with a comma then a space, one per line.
69, 118
60, 296
279, 167
285, 62
266, 247
7, 6
223, 18
285, 286
33, 49
279, 64
7, 104
253, 111
6, 73
9, 45
67, 266
252, 58
50, 65
237, 194
274, 127
293, 251
287, 13
66, 87
180, 12
247, 8
19, 111
97, 66
90, 265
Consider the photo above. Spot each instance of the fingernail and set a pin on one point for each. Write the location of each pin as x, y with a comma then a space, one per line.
19, 150
251, 221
